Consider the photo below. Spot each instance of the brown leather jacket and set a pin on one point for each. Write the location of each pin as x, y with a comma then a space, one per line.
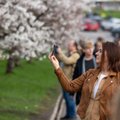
87, 81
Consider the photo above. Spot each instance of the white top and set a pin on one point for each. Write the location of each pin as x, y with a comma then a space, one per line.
97, 83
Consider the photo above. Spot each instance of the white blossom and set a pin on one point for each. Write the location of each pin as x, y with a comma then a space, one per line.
36, 25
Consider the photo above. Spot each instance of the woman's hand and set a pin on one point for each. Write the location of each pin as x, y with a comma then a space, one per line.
54, 61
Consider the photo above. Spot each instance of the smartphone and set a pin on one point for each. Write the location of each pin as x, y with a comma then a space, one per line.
55, 50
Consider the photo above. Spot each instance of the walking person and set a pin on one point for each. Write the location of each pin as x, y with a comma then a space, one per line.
68, 64
98, 85
118, 42
85, 62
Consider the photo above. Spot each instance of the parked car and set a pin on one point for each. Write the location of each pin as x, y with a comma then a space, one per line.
110, 24
94, 16
116, 32
90, 25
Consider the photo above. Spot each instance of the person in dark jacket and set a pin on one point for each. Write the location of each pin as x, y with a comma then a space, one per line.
84, 63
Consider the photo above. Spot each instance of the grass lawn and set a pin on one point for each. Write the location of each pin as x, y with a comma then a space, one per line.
109, 12
30, 90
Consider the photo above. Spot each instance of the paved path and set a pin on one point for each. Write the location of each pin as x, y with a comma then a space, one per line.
94, 35
62, 111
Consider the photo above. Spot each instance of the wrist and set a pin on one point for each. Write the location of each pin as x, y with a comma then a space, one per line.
56, 67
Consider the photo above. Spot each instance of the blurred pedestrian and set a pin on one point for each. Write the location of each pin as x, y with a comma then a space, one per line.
98, 85
98, 44
69, 62
85, 62
117, 41
81, 45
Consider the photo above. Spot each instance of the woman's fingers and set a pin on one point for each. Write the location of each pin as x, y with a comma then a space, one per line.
53, 58
54, 61
50, 55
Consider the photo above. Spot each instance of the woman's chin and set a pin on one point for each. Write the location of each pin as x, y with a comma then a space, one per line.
97, 62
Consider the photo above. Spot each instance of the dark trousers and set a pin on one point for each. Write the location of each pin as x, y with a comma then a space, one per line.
78, 96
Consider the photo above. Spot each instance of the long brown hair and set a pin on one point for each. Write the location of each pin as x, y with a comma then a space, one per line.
113, 55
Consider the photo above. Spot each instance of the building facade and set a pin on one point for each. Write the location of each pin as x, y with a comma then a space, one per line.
108, 4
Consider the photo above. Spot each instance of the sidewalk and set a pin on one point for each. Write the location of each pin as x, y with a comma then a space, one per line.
62, 111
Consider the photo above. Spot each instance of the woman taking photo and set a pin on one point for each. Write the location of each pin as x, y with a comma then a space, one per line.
98, 85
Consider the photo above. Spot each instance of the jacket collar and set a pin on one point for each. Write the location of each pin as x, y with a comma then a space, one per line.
95, 77
109, 81
112, 74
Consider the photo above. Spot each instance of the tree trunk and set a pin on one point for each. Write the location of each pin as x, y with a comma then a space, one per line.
10, 65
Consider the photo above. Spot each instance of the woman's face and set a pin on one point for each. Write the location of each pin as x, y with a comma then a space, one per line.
98, 56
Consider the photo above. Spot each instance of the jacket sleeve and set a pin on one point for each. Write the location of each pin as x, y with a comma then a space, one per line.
68, 85
68, 60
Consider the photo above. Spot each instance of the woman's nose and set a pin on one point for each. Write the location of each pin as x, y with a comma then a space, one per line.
96, 53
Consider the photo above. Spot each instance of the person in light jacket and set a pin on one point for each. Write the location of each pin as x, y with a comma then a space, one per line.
68, 63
